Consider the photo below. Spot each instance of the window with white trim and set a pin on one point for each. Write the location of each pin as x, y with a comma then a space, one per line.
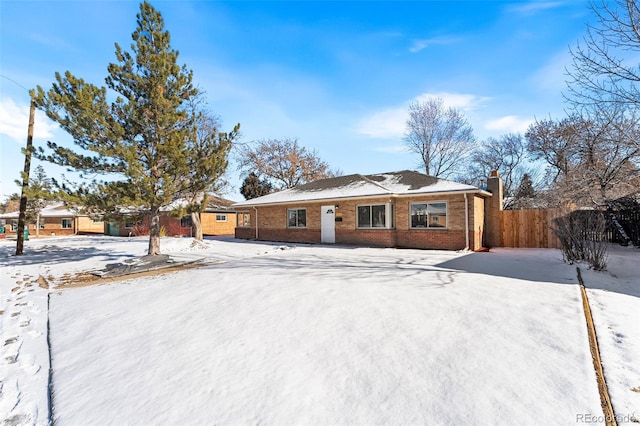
14, 225
66, 223
221, 218
297, 218
41, 224
429, 215
375, 216
244, 220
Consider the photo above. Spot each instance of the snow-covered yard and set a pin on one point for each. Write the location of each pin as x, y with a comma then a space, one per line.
276, 334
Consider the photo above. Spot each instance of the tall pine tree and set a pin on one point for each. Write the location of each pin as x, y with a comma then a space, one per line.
139, 130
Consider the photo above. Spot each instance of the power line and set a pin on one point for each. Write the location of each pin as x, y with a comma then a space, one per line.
13, 81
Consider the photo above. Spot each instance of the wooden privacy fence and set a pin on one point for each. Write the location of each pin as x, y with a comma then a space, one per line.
530, 228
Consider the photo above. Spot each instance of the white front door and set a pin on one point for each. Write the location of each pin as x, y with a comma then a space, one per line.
328, 224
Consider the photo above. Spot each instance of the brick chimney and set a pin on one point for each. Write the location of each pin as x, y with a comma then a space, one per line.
492, 208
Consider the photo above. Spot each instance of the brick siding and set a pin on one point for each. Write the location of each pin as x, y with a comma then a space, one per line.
273, 224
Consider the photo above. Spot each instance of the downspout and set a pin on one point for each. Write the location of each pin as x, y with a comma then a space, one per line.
256, 209
466, 220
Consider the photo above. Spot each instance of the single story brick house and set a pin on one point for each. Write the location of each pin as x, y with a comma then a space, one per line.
55, 219
396, 209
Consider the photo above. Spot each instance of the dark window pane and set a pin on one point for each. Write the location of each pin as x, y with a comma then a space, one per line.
377, 216
186, 222
302, 218
364, 216
418, 215
292, 218
437, 215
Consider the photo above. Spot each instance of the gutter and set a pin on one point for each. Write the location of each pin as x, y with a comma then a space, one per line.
392, 195
466, 220
256, 209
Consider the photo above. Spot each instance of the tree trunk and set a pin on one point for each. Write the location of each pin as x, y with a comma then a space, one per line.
25, 183
197, 225
154, 231
38, 226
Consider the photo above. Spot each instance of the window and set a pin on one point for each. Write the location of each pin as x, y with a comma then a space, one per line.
132, 223
244, 220
186, 222
14, 225
429, 215
297, 218
376, 216
221, 218
41, 224
66, 223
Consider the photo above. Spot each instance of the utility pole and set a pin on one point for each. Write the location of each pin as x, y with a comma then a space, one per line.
25, 181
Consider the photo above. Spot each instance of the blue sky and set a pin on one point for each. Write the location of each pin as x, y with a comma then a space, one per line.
336, 75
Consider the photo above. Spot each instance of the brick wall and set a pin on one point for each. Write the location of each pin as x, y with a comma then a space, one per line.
273, 224
290, 235
169, 226
245, 233
52, 225
367, 237
493, 209
431, 239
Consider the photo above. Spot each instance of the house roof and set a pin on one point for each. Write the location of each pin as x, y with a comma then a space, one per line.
355, 186
52, 210
215, 203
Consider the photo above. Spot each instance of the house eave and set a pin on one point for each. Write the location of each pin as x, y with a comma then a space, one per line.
361, 197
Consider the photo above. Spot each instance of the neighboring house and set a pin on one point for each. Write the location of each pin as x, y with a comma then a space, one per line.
217, 219
55, 219
131, 224
397, 209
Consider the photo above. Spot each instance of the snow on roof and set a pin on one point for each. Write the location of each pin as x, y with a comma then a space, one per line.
214, 203
52, 210
393, 183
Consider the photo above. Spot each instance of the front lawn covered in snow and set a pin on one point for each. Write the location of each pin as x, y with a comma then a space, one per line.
321, 335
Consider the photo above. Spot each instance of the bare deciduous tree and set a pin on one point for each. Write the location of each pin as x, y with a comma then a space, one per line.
283, 162
605, 66
554, 142
608, 159
592, 158
507, 154
440, 136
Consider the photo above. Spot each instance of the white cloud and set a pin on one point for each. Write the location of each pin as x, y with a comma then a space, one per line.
509, 123
50, 41
421, 44
390, 122
532, 7
463, 101
392, 149
552, 76
14, 122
